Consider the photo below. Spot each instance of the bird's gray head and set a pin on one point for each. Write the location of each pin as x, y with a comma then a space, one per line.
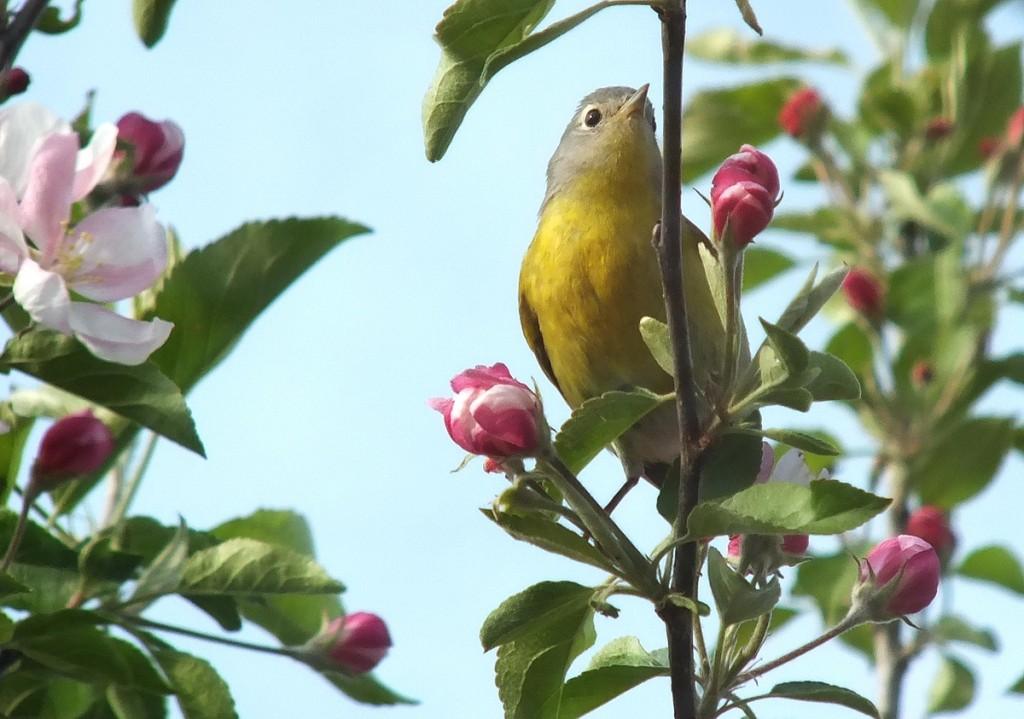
612, 133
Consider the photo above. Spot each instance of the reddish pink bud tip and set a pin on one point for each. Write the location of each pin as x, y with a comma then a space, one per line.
492, 413
931, 524
912, 564
744, 193
922, 374
988, 146
16, 81
1015, 128
795, 543
801, 114
157, 149
864, 293
358, 641
77, 444
938, 128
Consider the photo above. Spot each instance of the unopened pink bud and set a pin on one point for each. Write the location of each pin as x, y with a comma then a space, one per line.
1015, 128
492, 413
931, 524
157, 149
802, 113
356, 643
864, 293
922, 374
16, 81
904, 571
988, 146
75, 445
744, 193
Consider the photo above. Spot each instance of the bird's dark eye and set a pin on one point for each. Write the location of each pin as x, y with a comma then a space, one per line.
592, 117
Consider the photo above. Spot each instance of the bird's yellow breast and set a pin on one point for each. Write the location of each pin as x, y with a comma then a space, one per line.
588, 277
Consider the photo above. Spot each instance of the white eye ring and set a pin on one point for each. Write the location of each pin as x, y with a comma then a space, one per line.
590, 117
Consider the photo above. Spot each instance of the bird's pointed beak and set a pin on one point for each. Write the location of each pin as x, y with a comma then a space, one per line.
637, 103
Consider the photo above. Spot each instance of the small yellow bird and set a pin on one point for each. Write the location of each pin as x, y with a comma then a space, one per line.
591, 273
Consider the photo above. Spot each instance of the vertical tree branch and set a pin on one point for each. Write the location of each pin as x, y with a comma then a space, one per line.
668, 242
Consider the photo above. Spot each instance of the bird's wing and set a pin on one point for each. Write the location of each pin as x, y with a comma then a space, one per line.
534, 338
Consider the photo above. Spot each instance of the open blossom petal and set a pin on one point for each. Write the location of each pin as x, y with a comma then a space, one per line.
94, 159
122, 250
22, 126
114, 338
43, 295
13, 249
46, 204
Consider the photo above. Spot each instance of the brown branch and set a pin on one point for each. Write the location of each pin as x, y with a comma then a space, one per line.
14, 35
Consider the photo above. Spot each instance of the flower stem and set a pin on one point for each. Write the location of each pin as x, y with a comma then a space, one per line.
848, 622
160, 626
19, 531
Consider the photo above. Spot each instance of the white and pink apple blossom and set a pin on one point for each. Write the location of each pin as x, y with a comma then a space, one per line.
111, 254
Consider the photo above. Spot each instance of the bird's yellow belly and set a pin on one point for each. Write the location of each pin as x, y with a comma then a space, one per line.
590, 275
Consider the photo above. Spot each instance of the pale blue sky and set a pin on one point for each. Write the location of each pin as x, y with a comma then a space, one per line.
314, 108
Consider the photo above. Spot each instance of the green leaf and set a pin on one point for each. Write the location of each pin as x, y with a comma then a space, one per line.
658, 341
216, 292
828, 225
899, 13
994, 564
10, 586
98, 560
730, 465
141, 393
788, 348
825, 693
38, 547
951, 18
292, 619
166, 570
944, 210
951, 628
151, 17
1018, 686
735, 598
366, 689
128, 703
717, 122
470, 32
747, 13
761, 264
963, 461
851, 345
199, 689
51, 23
834, 379
600, 421
727, 45
540, 631
249, 567
12, 447
616, 668
953, 688
810, 299
825, 507
780, 617
802, 440
69, 643
550, 536
887, 104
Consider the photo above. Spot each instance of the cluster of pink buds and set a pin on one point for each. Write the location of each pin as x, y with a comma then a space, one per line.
744, 193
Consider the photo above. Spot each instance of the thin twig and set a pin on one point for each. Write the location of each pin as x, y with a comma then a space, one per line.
13, 36
160, 626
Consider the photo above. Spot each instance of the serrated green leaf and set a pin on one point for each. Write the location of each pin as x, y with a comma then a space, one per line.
802, 440
825, 507
825, 693
834, 380
952, 628
727, 45
248, 567
151, 17
963, 461
600, 421
729, 465
470, 32
656, 337
810, 299
716, 122
736, 599
367, 689
616, 668
12, 447
996, 565
550, 536
128, 703
198, 688
540, 631
10, 586
788, 348
141, 393
216, 292
761, 264
38, 547
166, 570
953, 687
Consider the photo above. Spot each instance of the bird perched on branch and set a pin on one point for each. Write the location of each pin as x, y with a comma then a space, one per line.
591, 273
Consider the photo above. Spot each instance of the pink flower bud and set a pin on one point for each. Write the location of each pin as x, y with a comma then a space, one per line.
938, 128
930, 524
356, 642
988, 146
802, 113
903, 573
157, 149
864, 293
492, 413
922, 374
77, 444
744, 193
16, 81
1015, 128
